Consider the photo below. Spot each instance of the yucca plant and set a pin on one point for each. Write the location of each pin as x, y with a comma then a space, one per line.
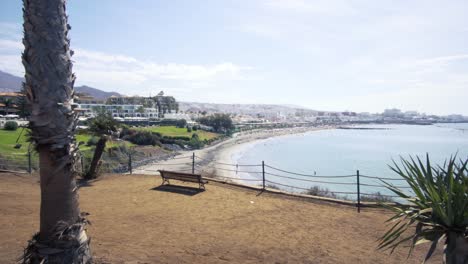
437, 209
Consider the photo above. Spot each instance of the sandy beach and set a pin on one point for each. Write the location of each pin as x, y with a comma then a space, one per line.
212, 161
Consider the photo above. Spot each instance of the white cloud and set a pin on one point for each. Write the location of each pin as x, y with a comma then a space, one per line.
442, 61
325, 7
11, 64
128, 74
7, 45
10, 30
120, 70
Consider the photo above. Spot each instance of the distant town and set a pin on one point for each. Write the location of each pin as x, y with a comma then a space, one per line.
153, 110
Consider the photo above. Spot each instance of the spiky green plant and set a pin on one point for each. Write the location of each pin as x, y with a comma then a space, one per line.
437, 209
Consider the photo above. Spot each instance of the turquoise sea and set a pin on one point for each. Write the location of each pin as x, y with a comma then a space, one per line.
341, 152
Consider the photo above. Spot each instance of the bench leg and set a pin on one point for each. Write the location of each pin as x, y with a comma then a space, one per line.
165, 180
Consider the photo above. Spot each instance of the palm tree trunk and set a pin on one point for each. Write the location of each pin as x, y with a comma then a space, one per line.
456, 249
94, 167
49, 90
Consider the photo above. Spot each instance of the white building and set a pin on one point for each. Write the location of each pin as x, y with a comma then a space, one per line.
119, 110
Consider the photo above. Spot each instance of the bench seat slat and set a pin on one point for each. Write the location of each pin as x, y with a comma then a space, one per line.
185, 177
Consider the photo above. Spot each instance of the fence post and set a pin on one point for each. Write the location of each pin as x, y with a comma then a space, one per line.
130, 163
358, 192
263, 173
193, 163
29, 162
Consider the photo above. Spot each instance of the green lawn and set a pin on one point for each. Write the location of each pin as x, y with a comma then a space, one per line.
173, 131
8, 142
8, 139
111, 143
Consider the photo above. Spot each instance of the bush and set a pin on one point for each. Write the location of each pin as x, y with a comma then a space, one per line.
184, 138
92, 141
11, 125
189, 129
143, 138
318, 191
181, 123
195, 142
219, 122
377, 197
195, 128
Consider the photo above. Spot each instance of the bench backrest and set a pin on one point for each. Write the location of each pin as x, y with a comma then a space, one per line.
180, 175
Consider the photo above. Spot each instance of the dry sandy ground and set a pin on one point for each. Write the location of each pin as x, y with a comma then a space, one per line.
134, 223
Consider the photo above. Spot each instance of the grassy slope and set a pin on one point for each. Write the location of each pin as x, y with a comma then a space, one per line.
173, 131
111, 143
8, 139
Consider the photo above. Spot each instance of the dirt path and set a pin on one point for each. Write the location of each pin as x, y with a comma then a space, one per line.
134, 222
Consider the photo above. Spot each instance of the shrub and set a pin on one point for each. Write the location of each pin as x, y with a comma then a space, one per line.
92, 141
143, 138
318, 191
184, 138
272, 186
435, 210
219, 122
181, 123
189, 129
11, 125
195, 142
377, 197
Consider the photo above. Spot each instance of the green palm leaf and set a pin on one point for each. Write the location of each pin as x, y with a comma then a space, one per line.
437, 208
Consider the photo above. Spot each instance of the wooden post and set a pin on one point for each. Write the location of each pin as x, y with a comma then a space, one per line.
130, 169
263, 173
29, 162
193, 163
358, 193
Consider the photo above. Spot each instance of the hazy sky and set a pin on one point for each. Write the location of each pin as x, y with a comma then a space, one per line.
329, 55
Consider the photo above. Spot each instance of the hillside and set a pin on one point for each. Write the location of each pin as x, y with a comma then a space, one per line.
12, 83
9, 82
261, 109
96, 93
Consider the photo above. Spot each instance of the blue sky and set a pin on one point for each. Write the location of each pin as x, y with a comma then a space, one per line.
330, 55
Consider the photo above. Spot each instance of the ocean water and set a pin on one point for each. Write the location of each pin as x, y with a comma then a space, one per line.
341, 152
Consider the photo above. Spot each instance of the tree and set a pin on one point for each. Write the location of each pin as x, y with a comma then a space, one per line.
8, 104
23, 107
103, 125
438, 207
119, 110
49, 89
181, 123
140, 110
219, 122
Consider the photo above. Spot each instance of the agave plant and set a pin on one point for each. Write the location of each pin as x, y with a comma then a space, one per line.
437, 209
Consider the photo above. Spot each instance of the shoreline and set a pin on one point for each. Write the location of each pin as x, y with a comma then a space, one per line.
212, 161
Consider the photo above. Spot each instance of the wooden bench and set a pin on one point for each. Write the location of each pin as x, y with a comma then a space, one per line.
185, 177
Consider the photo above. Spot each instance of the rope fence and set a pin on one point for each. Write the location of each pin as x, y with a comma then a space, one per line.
362, 187
19, 162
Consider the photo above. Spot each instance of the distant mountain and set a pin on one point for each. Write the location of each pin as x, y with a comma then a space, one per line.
96, 93
11, 83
